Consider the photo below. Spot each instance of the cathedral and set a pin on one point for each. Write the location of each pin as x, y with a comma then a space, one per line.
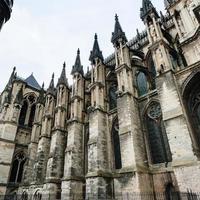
127, 129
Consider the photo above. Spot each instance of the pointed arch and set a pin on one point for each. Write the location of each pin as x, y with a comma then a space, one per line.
142, 83
156, 135
191, 99
37, 195
116, 144
17, 168
24, 196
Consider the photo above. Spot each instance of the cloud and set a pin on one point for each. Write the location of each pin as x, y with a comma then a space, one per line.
42, 35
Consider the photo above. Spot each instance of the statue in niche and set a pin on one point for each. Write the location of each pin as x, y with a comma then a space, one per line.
113, 96
152, 31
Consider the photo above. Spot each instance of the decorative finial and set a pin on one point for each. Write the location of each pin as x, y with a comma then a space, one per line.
14, 68
53, 76
116, 17
78, 51
43, 85
95, 36
64, 65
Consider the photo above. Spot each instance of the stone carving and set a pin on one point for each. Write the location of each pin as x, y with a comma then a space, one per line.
154, 111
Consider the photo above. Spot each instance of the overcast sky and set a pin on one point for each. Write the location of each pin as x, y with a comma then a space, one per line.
42, 34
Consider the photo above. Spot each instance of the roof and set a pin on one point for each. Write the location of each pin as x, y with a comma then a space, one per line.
31, 81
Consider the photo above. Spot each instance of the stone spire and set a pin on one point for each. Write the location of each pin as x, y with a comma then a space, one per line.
63, 78
147, 7
41, 98
77, 68
118, 32
96, 53
12, 77
51, 89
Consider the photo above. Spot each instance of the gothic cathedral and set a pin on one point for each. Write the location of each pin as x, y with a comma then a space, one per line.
128, 128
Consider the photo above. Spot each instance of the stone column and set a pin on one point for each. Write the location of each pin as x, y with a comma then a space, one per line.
174, 119
33, 146
73, 179
8, 131
98, 181
44, 141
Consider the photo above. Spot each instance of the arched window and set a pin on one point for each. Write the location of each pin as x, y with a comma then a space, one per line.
17, 168
192, 102
113, 96
27, 113
157, 138
23, 112
37, 195
142, 83
24, 196
116, 144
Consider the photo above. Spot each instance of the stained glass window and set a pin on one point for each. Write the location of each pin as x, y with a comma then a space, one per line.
116, 145
158, 143
142, 84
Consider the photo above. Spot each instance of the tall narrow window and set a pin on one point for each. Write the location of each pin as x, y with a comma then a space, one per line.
23, 113
17, 168
116, 145
170, 193
158, 142
32, 115
142, 84
113, 96
24, 196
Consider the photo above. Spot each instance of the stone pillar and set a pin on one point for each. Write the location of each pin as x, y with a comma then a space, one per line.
44, 141
8, 130
55, 164
98, 185
33, 146
73, 179
174, 119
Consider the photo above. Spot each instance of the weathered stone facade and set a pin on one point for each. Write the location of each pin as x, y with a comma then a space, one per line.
129, 128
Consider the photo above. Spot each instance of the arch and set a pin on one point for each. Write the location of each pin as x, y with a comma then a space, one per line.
156, 134
17, 167
37, 195
142, 83
27, 113
116, 144
191, 99
24, 196
188, 80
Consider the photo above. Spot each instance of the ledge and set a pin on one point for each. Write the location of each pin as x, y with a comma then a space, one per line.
73, 178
